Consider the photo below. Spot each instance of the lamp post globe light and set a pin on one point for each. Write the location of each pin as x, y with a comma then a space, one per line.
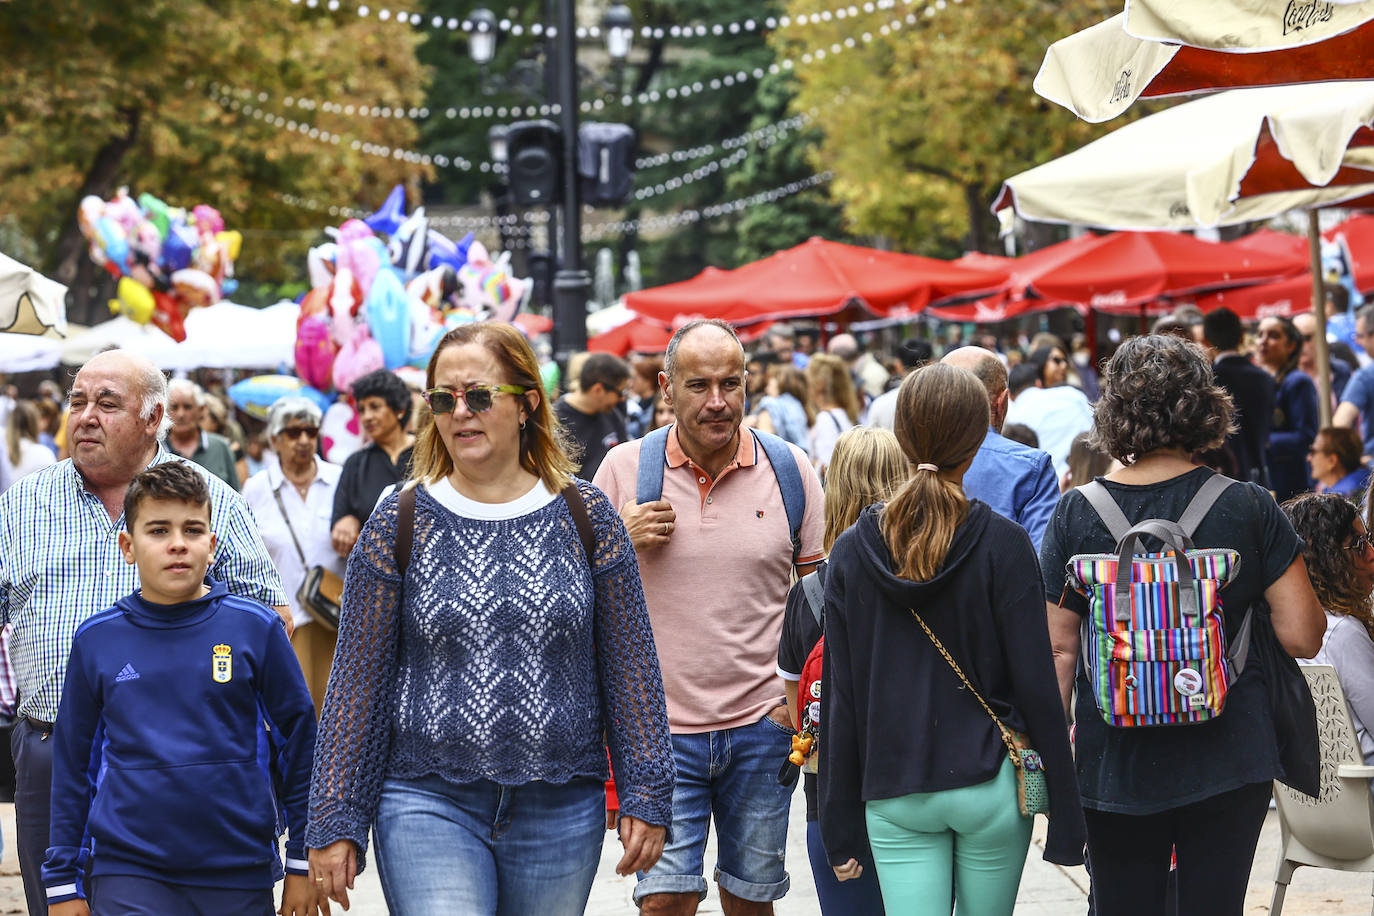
482, 40
618, 26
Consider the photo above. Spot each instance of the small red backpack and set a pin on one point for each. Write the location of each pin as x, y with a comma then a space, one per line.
805, 744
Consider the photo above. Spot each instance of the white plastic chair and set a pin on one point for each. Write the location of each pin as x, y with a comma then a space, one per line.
1336, 829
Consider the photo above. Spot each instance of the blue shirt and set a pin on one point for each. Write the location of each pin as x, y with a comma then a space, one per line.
176, 721
1295, 426
1352, 484
1017, 481
60, 563
789, 418
1359, 391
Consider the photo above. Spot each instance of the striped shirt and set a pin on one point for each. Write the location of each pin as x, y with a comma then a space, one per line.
60, 564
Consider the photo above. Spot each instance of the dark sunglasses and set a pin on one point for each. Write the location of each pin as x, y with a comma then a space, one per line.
295, 432
1361, 543
478, 398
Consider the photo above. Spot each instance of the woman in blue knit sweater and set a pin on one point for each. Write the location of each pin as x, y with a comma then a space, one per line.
474, 691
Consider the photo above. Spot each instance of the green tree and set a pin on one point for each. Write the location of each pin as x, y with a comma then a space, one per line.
159, 96
922, 122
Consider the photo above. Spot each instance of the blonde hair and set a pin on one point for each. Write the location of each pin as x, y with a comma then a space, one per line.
867, 467
792, 380
942, 417
830, 375
541, 438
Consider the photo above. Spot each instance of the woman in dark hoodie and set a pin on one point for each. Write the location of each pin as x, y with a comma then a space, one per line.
908, 749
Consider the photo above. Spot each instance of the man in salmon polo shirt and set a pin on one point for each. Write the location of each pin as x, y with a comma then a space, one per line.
715, 555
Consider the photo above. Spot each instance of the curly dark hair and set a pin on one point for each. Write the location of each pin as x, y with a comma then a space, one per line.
387, 386
1325, 522
1158, 392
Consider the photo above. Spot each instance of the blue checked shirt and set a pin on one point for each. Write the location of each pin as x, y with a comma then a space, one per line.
60, 564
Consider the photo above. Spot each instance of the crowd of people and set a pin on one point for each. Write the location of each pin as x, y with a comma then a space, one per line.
640, 603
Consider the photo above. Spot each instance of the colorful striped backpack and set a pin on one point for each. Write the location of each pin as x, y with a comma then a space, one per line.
1154, 641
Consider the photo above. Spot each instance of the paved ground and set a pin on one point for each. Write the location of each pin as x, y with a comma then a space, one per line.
1046, 890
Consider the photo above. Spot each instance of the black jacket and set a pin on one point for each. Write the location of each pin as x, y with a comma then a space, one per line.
896, 719
1252, 389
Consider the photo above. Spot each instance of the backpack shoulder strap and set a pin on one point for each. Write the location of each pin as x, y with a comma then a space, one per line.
815, 594
789, 482
578, 507
653, 454
1202, 502
405, 528
1106, 509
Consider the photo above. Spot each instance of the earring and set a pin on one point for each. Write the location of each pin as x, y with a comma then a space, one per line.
522, 426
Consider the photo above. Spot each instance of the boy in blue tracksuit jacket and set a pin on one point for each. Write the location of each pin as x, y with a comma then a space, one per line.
177, 704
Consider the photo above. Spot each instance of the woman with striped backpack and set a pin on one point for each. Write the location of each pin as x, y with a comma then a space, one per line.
1150, 576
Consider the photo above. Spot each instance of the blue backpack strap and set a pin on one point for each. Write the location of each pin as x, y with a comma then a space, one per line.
789, 482
653, 455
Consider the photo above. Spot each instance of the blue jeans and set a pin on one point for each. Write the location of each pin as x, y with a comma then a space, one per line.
482, 848
731, 776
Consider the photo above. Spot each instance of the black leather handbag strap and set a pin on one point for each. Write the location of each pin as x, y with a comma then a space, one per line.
573, 497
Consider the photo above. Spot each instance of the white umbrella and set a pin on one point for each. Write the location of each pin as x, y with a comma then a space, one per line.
231, 336
30, 303
1223, 159
1101, 71
28, 352
124, 333
1248, 154
1244, 25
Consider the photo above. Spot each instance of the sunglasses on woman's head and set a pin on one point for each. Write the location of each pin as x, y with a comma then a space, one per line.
478, 398
1361, 542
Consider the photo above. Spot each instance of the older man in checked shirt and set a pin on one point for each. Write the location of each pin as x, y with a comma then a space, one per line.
60, 563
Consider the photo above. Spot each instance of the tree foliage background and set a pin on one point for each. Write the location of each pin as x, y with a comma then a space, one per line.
923, 122
100, 95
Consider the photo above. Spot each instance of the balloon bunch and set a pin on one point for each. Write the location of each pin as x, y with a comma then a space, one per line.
383, 292
167, 261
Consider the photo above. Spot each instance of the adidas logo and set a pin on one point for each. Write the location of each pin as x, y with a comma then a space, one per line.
127, 673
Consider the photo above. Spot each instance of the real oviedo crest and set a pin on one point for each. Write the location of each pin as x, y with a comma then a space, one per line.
222, 664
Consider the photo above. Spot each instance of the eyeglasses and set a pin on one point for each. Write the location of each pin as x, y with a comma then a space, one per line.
478, 398
295, 432
1363, 542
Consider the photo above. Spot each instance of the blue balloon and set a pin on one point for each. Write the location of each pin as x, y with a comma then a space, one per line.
442, 250
114, 242
392, 213
178, 247
388, 317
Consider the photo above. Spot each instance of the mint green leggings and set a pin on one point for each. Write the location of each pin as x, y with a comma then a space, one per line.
969, 844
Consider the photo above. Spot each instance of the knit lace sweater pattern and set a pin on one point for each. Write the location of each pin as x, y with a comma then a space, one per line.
501, 656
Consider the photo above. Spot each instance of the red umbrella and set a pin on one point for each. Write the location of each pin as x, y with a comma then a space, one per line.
1124, 270
1015, 299
640, 336
1288, 297
817, 277
1269, 241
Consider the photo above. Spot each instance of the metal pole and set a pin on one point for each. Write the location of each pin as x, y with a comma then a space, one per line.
1319, 350
571, 283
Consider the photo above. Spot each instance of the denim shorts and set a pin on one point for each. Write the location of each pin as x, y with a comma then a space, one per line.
730, 776
482, 848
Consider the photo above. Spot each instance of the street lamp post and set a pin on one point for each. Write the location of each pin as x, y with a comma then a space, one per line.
571, 283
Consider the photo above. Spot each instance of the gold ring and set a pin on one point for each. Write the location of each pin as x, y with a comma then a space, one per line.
319, 880
665, 529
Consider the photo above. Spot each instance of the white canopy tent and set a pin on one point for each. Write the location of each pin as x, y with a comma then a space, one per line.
220, 336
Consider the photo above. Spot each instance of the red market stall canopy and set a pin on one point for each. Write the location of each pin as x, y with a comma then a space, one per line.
640, 336
1125, 270
815, 278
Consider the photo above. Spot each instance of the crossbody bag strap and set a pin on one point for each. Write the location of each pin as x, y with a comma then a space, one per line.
1012, 749
276, 494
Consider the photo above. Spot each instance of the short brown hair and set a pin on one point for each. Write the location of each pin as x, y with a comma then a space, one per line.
1158, 392
1344, 443
173, 481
